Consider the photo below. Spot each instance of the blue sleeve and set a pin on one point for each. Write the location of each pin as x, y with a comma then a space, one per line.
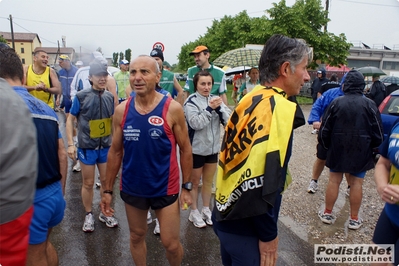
317, 110
59, 134
75, 109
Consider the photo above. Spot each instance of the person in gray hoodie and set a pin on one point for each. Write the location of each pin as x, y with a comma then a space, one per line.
204, 114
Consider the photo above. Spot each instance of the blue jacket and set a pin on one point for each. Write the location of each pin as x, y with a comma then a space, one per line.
66, 77
323, 102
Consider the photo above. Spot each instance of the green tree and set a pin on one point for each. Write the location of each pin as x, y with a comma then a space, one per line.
2, 39
121, 56
305, 20
128, 54
115, 59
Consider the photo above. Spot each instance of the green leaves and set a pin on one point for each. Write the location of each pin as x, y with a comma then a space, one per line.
305, 19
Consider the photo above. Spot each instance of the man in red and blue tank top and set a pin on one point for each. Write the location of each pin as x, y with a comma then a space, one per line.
146, 129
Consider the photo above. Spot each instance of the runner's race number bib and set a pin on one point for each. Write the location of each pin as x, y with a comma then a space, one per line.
100, 128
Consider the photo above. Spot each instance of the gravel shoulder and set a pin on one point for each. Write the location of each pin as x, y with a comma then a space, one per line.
299, 208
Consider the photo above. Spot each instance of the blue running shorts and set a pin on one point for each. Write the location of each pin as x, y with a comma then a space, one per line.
92, 157
48, 211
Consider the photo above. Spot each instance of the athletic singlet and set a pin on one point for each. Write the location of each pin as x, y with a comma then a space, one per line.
150, 166
32, 79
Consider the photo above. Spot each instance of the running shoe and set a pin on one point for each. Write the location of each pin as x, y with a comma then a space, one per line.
77, 168
196, 218
109, 221
348, 190
313, 187
355, 224
149, 217
207, 216
157, 230
315, 131
88, 225
326, 218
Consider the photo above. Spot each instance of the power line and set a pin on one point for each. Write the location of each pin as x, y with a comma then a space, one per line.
363, 3
124, 25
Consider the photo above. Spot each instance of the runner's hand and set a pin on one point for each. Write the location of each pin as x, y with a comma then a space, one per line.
105, 204
185, 199
268, 252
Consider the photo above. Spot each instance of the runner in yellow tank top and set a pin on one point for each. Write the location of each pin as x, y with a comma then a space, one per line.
38, 76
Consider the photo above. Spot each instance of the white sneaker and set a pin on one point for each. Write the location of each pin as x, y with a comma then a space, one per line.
315, 131
88, 225
207, 216
355, 224
98, 184
348, 190
196, 218
77, 168
157, 230
109, 221
313, 187
149, 217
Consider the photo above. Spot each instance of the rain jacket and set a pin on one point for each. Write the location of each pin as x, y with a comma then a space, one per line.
377, 92
204, 123
351, 127
322, 103
317, 82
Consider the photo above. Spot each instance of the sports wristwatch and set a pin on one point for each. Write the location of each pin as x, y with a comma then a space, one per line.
187, 186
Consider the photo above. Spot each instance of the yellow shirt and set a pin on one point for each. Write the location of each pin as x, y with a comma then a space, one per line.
32, 79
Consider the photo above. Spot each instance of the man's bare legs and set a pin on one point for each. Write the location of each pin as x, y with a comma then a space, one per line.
42, 254
169, 222
137, 220
356, 194
333, 189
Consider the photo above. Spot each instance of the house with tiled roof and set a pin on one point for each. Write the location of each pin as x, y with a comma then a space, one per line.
54, 53
25, 44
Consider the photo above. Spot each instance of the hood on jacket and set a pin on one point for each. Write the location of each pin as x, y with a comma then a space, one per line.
354, 82
323, 73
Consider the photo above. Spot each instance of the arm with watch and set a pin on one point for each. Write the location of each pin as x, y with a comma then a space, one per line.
180, 132
114, 161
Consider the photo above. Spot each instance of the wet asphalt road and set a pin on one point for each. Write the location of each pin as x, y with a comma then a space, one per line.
110, 246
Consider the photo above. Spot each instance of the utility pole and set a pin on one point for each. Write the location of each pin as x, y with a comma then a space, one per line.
12, 33
327, 5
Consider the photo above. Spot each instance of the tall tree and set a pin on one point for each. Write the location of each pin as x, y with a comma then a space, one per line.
121, 56
115, 59
305, 20
128, 54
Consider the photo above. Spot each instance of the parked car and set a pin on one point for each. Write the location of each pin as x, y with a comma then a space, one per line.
229, 79
389, 110
181, 77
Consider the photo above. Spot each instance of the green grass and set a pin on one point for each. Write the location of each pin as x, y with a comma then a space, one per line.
301, 99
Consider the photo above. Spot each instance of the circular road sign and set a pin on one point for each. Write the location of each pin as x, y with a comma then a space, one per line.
158, 45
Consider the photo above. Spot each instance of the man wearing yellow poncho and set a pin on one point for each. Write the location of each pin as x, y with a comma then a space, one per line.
254, 156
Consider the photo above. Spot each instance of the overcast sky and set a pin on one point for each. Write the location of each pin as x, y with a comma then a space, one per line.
121, 24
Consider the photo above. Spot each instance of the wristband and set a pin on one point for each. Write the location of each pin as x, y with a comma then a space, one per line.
108, 192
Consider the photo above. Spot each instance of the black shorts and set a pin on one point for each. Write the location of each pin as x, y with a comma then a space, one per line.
386, 232
199, 160
146, 203
321, 152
